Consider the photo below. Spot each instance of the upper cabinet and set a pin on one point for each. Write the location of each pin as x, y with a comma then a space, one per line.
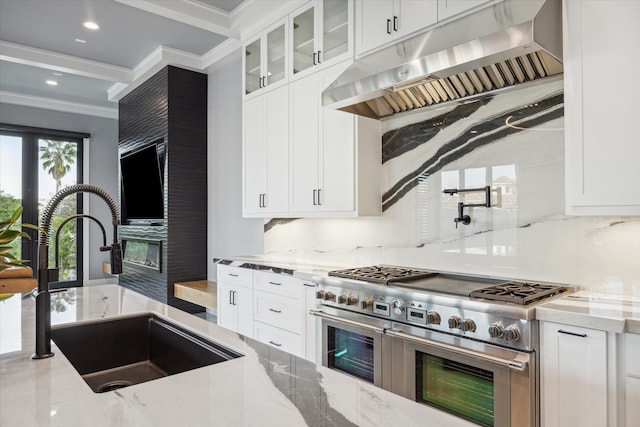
449, 8
321, 35
383, 21
601, 148
265, 61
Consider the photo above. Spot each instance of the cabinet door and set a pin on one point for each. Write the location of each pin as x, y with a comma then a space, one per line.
632, 390
310, 322
304, 96
601, 149
254, 154
337, 157
227, 317
252, 66
276, 197
574, 376
336, 35
304, 40
373, 24
415, 15
449, 8
275, 55
243, 300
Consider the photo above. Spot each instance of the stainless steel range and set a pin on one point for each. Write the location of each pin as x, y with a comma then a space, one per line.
466, 344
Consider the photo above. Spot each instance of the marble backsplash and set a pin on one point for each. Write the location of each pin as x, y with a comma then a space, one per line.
513, 142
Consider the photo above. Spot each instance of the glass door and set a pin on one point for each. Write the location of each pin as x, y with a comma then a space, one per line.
276, 49
335, 29
304, 50
252, 67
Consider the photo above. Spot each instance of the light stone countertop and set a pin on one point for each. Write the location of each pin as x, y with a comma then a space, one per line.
266, 387
617, 311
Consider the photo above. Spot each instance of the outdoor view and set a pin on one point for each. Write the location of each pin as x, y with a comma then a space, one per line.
57, 168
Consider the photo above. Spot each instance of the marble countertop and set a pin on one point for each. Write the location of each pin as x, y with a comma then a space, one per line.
266, 387
616, 312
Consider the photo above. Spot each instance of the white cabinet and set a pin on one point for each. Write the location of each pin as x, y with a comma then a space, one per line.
265, 59
311, 322
265, 140
235, 299
335, 157
449, 8
321, 35
384, 21
601, 148
632, 378
573, 376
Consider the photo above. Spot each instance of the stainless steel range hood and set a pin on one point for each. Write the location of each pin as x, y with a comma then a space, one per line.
511, 42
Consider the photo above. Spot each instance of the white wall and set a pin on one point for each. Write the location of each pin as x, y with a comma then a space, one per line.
228, 233
102, 167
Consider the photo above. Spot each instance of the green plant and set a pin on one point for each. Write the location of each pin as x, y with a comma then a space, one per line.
8, 235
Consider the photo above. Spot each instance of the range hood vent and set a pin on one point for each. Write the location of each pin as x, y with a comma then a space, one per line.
503, 45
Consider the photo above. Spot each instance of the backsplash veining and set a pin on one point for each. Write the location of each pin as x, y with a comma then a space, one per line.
513, 142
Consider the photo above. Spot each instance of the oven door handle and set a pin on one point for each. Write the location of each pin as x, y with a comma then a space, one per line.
355, 323
515, 364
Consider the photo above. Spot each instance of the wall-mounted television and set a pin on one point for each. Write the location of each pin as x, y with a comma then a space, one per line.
142, 186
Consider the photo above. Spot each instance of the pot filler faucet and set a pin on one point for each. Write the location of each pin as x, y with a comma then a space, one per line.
45, 274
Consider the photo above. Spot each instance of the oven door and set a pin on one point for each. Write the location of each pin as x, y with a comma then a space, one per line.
483, 383
355, 344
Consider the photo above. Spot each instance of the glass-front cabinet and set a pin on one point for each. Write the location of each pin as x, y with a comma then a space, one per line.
321, 35
265, 59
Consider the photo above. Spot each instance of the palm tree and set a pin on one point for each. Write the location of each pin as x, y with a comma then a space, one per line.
57, 158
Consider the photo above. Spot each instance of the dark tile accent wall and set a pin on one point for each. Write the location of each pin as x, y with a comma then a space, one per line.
172, 106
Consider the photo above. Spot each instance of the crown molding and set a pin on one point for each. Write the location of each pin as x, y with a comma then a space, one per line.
188, 12
20, 54
58, 105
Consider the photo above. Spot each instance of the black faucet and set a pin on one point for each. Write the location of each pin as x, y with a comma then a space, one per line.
46, 275
466, 219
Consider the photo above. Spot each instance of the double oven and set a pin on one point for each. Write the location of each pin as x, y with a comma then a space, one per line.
427, 339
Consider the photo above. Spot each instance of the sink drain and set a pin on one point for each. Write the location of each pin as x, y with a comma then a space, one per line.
113, 385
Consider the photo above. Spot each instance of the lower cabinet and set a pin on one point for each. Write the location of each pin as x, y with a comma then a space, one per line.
573, 376
632, 379
269, 307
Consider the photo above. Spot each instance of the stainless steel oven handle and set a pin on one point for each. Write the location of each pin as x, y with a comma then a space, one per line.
518, 365
355, 323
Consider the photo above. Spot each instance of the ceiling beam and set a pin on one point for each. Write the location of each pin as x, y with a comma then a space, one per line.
188, 12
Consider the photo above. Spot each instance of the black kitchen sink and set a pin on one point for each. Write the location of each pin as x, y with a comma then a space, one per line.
115, 353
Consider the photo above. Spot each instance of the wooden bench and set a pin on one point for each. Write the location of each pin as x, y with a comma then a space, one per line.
200, 292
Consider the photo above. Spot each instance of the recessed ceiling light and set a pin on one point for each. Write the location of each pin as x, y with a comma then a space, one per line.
81, 41
52, 83
91, 25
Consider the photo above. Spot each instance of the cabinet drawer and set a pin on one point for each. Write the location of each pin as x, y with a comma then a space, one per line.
235, 275
279, 284
278, 338
631, 352
281, 312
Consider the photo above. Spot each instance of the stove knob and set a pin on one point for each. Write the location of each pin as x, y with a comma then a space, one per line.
398, 307
352, 300
433, 318
455, 322
468, 325
329, 296
367, 304
496, 331
511, 333
342, 299
320, 294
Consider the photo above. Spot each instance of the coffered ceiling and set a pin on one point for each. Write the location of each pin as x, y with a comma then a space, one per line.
45, 40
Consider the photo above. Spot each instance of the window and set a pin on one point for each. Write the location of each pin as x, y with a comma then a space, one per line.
34, 165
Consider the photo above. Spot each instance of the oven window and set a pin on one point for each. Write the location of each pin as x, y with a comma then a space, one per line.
350, 353
458, 388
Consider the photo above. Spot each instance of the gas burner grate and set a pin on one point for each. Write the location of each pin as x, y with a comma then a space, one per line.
518, 292
381, 274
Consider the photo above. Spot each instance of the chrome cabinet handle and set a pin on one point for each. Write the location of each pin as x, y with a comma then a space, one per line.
315, 192
315, 54
395, 23
388, 26
575, 334
275, 311
319, 193
275, 343
319, 61
310, 285
230, 297
233, 275
275, 283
